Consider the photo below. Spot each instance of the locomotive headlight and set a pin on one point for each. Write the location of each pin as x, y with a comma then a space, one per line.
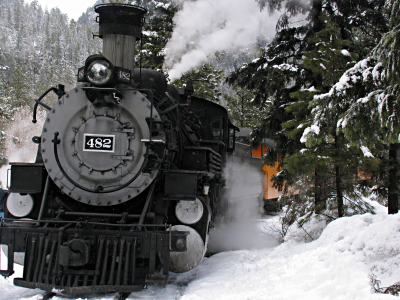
19, 205
99, 72
189, 211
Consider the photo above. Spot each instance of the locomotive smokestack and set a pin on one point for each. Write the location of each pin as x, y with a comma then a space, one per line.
120, 27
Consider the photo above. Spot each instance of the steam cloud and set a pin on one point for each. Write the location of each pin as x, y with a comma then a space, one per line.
238, 229
204, 27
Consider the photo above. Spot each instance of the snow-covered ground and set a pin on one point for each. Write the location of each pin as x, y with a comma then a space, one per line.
337, 265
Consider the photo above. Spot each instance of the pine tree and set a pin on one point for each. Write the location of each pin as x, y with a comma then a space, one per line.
240, 107
279, 71
38, 49
327, 148
371, 89
274, 76
21, 86
156, 33
207, 82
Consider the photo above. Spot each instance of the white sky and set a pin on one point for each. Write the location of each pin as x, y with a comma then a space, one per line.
73, 8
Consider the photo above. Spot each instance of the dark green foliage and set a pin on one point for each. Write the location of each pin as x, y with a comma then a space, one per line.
371, 91
206, 81
335, 162
156, 33
273, 77
299, 63
278, 72
241, 108
40, 49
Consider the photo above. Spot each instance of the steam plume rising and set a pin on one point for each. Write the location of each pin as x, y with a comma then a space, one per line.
238, 229
204, 27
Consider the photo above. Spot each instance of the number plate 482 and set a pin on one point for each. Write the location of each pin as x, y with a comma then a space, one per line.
98, 142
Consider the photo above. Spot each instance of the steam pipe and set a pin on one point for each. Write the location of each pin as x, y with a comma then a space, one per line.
146, 205
44, 199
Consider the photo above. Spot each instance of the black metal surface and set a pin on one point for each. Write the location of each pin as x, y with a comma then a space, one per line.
157, 279
74, 253
181, 186
217, 146
44, 198
60, 92
48, 296
101, 215
120, 19
82, 260
36, 139
81, 289
27, 178
122, 296
103, 90
152, 80
146, 206
202, 159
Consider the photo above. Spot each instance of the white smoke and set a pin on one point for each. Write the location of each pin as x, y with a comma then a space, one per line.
238, 229
205, 27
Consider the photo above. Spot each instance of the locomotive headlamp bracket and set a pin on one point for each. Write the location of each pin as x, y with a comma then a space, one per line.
116, 94
100, 72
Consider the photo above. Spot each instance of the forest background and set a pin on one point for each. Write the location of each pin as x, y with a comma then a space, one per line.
325, 88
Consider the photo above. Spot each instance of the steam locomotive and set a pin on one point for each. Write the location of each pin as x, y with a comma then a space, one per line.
129, 176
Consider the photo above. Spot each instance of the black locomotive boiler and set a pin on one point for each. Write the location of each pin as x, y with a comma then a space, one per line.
128, 178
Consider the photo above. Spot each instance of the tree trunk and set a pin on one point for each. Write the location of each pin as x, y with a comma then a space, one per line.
393, 185
320, 202
242, 111
316, 10
339, 192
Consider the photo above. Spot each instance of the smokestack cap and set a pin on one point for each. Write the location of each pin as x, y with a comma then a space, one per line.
123, 19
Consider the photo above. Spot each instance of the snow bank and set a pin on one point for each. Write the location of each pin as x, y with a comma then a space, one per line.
8, 290
337, 265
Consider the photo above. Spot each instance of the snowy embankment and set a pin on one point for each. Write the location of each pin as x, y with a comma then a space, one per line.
338, 265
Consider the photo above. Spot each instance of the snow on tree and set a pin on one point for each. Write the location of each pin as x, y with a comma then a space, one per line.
240, 107
280, 72
326, 150
157, 31
371, 89
39, 49
207, 82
